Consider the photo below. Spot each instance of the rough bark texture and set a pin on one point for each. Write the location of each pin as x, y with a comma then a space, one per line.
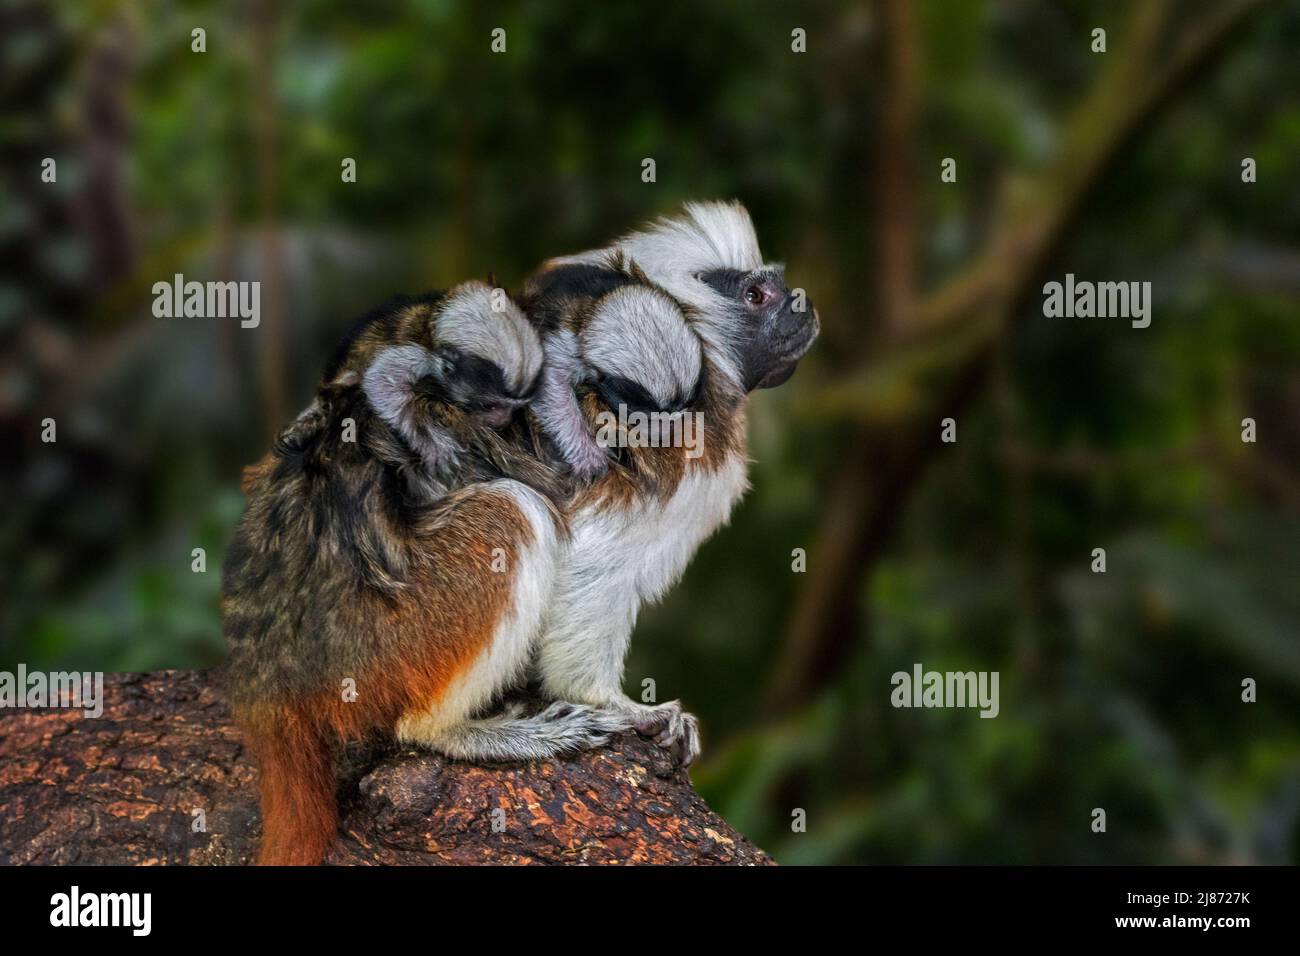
123, 788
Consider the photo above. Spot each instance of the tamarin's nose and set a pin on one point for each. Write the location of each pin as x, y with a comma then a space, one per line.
792, 321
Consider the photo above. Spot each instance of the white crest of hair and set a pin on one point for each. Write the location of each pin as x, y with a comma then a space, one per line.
468, 322
639, 332
673, 251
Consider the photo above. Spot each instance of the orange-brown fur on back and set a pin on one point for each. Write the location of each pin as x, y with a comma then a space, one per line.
400, 655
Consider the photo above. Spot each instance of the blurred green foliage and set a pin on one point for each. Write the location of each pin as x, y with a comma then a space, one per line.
1119, 690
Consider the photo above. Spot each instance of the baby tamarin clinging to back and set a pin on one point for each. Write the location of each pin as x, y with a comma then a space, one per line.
616, 341
396, 582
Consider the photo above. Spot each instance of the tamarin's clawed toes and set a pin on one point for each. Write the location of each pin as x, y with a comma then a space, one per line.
484, 490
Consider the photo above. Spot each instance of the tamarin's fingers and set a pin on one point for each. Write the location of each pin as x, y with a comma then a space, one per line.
305, 428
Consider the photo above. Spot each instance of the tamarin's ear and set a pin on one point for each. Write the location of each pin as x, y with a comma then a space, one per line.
390, 387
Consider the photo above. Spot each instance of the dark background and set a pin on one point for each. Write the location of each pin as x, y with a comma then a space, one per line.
1119, 690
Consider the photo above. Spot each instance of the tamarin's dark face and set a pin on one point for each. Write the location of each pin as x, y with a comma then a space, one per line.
480, 386
619, 391
773, 328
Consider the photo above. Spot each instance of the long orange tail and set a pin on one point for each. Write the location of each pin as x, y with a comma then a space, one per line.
299, 809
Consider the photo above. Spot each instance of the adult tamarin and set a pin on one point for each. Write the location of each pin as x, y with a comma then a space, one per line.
389, 564
633, 529
392, 567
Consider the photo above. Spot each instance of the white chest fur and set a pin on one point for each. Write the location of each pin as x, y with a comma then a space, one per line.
647, 547
617, 558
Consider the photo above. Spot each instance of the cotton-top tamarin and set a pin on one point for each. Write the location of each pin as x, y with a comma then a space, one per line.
637, 522
403, 579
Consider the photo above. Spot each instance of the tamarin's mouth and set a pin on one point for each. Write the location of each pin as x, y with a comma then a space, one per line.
778, 376
790, 350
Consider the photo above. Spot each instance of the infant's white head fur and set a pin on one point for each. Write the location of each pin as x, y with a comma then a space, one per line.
482, 321
639, 333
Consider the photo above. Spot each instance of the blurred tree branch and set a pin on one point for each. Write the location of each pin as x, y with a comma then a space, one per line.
848, 527
1207, 450
890, 444
895, 184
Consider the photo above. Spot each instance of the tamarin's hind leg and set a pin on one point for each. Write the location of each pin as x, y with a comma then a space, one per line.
525, 538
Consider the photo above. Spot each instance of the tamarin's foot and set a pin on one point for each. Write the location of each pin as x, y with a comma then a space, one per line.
562, 727
672, 728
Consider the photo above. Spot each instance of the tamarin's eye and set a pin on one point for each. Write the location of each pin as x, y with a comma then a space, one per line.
755, 295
